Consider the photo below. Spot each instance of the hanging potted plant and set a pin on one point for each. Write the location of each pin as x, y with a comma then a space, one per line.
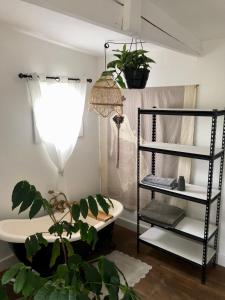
135, 66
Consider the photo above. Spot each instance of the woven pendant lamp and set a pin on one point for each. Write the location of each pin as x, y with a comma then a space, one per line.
106, 97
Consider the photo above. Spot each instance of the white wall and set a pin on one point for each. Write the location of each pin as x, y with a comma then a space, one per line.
20, 158
174, 68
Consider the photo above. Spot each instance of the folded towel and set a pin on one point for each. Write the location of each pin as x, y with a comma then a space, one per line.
162, 214
150, 179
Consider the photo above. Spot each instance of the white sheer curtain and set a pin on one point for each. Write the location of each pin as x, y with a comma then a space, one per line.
58, 110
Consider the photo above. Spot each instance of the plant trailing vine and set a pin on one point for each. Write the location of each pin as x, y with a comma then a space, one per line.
75, 279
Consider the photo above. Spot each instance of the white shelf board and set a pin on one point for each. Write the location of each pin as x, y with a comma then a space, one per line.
191, 190
194, 227
176, 244
180, 109
199, 150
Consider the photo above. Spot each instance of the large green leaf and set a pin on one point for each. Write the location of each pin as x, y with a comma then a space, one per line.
72, 295
20, 281
63, 295
113, 64
19, 190
108, 72
75, 227
74, 261
76, 212
43, 292
93, 278
54, 295
62, 271
68, 228
83, 230
84, 208
56, 228
129, 294
55, 252
92, 236
149, 60
28, 199
36, 206
103, 204
93, 206
11, 273
110, 277
32, 246
120, 82
41, 239
47, 206
69, 247
33, 281
141, 51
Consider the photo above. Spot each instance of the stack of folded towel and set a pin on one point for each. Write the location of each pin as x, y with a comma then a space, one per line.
162, 214
168, 183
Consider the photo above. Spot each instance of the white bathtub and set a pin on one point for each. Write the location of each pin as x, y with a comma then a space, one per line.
17, 230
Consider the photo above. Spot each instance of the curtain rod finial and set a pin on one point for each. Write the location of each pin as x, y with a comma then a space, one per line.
106, 45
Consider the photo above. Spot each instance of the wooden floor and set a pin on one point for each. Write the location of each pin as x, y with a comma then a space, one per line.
170, 278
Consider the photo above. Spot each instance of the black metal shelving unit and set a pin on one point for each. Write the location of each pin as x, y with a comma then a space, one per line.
190, 239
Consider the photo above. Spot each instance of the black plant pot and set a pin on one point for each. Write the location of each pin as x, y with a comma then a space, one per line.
136, 79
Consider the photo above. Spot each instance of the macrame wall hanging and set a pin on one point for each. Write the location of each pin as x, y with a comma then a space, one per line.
106, 98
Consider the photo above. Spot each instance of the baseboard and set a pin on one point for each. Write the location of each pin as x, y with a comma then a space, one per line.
7, 262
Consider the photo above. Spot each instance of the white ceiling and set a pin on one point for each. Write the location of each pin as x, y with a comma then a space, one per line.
55, 27
204, 18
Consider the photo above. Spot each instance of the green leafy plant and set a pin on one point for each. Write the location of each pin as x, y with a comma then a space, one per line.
75, 279
126, 59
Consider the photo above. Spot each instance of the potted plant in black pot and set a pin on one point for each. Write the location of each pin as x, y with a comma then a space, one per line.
135, 66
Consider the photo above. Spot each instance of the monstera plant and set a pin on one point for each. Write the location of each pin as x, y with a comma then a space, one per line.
75, 278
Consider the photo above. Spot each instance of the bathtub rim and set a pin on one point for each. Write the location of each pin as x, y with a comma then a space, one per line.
19, 238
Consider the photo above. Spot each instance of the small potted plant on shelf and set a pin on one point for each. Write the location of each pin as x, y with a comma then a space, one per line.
135, 66
75, 278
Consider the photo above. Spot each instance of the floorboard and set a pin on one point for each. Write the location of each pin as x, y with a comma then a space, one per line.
170, 278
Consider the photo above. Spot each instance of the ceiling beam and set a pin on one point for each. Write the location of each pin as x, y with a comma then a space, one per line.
105, 13
163, 30
137, 18
131, 17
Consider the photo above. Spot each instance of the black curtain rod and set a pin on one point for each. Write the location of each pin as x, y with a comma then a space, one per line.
21, 75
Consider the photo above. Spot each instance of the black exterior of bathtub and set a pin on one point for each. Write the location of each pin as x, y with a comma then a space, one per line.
41, 260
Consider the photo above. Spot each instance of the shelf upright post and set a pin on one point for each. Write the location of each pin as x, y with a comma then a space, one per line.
209, 193
153, 140
220, 188
138, 178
